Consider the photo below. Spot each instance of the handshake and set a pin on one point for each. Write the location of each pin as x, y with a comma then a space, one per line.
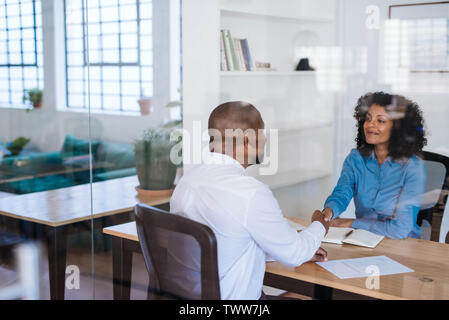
324, 217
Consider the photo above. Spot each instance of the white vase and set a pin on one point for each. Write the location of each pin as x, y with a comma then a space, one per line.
145, 106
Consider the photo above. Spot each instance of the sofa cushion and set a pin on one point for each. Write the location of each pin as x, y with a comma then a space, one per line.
74, 146
37, 184
32, 163
119, 154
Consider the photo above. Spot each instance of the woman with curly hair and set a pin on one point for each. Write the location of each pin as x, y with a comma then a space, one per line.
383, 174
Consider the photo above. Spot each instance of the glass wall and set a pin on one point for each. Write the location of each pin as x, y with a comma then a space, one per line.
286, 67
403, 50
304, 65
94, 93
90, 92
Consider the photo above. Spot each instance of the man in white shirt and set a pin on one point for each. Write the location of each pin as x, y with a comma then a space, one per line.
242, 211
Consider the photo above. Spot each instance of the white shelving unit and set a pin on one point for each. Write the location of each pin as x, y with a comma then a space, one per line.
299, 10
288, 100
295, 128
290, 177
266, 73
265, 15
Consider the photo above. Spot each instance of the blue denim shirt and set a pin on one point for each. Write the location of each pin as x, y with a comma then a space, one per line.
387, 198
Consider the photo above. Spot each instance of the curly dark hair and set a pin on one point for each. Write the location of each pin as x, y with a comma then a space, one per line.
407, 135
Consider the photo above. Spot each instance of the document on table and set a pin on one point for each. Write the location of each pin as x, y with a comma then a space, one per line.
364, 267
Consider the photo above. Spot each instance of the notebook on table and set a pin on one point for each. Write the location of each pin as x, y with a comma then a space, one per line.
358, 237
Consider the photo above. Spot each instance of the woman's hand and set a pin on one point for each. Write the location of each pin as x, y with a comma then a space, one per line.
341, 223
328, 214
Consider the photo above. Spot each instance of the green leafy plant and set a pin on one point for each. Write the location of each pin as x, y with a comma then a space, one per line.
155, 169
17, 145
174, 104
34, 96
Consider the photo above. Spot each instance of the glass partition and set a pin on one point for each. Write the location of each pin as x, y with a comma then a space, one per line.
403, 50
45, 166
132, 73
105, 104
90, 93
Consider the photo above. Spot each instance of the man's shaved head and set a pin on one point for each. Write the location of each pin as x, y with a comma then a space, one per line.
235, 129
235, 115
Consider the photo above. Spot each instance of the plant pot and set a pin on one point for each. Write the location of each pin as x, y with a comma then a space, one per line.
145, 106
153, 193
37, 105
155, 170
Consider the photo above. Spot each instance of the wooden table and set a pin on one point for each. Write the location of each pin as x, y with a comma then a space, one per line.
59, 209
429, 260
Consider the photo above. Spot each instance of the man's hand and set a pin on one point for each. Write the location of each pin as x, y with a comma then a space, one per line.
318, 216
341, 223
320, 256
328, 214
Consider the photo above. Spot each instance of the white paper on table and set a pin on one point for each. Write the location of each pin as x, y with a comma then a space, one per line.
364, 267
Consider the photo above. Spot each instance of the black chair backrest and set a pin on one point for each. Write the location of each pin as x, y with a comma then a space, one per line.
180, 255
437, 171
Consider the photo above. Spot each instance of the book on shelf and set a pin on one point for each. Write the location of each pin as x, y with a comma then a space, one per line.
246, 54
223, 59
235, 53
239, 54
230, 51
358, 237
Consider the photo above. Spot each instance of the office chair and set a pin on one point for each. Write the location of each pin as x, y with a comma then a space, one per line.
435, 198
180, 255
7, 241
27, 286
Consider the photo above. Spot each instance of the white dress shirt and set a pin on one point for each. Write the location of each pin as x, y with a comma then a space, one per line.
247, 222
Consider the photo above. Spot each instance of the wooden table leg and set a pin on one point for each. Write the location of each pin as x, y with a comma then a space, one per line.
57, 252
121, 269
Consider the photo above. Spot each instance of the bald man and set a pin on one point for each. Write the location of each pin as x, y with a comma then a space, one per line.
242, 211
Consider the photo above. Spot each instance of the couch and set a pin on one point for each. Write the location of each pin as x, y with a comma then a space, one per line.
42, 171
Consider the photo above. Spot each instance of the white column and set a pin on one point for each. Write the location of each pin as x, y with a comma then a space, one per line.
201, 64
54, 54
161, 57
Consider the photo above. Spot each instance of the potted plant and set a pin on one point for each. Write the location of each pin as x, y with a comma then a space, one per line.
17, 145
155, 170
34, 96
145, 105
